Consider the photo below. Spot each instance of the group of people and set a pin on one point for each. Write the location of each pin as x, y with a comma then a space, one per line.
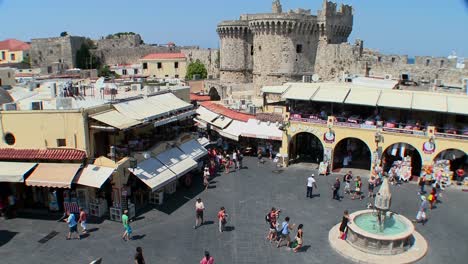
224, 160
73, 223
281, 233
199, 216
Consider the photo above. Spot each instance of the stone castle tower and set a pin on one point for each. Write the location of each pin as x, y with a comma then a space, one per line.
276, 47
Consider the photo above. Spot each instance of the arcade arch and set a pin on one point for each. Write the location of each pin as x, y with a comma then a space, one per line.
305, 147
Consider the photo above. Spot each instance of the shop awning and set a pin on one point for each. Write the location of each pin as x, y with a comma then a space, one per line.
193, 149
55, 175
141, 109
94, 176
153, 173
363, 96
331, 94
203, 141
222, 122
429, 102
395, 99
300, 91
275, 89
206, 115
14, 171
264, 130
234, 130
177, 161
457, 104
115, 119
169, 102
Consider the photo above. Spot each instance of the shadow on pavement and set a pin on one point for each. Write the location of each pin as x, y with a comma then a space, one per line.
91, 230
137, 237
229, 228
6, 236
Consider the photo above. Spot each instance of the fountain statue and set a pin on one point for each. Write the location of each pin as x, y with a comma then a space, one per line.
380, 234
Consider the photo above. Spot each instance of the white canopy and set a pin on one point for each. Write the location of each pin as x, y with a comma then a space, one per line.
363, 96
153, 173
222, 121
203, 141
234, 130
177, 161
193, 149
206, 115
115, 119
94, 176
256, 129
300, 91
14, 171
429, 102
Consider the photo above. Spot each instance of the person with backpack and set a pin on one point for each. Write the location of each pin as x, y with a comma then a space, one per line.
271, 219
285, 230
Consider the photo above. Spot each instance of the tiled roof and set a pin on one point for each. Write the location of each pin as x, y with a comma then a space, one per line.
163, 56
199, 98
14, 45
219, 109
42, 154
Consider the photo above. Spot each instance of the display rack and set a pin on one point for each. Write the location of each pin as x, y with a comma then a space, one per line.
156, 197
171, 187
98, 208
115, 214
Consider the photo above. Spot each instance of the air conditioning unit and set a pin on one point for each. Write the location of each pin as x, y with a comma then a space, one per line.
10, 107
36, 105
227, 101
64, 103
252, 109
149, 89
388, 77
438, 82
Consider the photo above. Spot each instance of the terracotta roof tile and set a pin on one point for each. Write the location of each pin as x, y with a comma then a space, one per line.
199, 98
163, 56
14, 45
219, 109
42, 154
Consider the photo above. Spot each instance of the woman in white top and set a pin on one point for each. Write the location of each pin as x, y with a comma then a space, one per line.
199, 208
206, 177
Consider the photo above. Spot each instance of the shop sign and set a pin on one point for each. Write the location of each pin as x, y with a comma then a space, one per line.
329, 137
347, 124
429, 147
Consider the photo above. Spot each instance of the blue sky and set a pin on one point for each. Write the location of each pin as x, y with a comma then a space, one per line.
414, 27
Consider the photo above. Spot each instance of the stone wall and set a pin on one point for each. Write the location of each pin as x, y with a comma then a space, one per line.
128, 55
209, 57
58, 53
334, 60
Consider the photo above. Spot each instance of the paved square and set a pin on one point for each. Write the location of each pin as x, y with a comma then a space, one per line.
167, 234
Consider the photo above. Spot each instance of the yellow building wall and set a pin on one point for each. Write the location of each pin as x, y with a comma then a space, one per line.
168, 68
18, 56
368, 137
41, 129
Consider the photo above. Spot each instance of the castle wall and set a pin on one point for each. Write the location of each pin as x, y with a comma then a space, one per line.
209, 57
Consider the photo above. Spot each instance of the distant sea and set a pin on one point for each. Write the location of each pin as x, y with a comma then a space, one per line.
412, 60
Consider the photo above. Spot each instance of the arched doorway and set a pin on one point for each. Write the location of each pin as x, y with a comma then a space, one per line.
214, 96
305, 147
352, 153
397, 152
458, 158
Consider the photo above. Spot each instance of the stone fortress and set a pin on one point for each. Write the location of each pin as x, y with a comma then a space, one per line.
270, 49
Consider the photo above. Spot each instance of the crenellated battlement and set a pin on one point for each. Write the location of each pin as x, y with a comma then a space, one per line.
283, 27
233, 29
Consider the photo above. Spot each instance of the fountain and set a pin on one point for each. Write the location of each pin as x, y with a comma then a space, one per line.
379, 234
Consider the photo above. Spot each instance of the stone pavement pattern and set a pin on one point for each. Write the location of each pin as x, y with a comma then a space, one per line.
167, 235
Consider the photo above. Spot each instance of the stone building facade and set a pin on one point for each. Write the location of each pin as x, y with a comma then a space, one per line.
55, 55
272, 48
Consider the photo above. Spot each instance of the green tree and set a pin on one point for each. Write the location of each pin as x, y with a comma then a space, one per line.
196, 68
64, 34
84, 58
104, 71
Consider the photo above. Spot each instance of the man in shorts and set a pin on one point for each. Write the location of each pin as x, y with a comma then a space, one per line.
421, 216
72, 225
82, 220
128, 230
285, 230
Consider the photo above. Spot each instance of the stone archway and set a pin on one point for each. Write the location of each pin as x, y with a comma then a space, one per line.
356, 152
214, 95
305, 147
458, 158
398, 151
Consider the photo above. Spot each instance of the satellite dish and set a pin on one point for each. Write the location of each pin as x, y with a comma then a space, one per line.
99, 83
315, 77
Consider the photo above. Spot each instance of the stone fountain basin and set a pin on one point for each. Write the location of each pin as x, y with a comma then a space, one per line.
380, 244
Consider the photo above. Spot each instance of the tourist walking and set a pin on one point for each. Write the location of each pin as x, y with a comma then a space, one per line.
234, 159
240, 157
207, 259
347, 180
272, 220
311, 183
228, 164
344, 225
139, 259
432, 197
422, 183
222, 219
128, 229
299, 240
284, 231
260, 156
371, 186
357, 191
199, 209
206, 177
82, 220
72, 225
336, 189
421, 215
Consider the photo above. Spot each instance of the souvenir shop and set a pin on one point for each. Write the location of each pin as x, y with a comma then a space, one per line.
401, 161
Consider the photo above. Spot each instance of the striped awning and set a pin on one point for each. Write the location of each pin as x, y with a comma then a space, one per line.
54, 175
